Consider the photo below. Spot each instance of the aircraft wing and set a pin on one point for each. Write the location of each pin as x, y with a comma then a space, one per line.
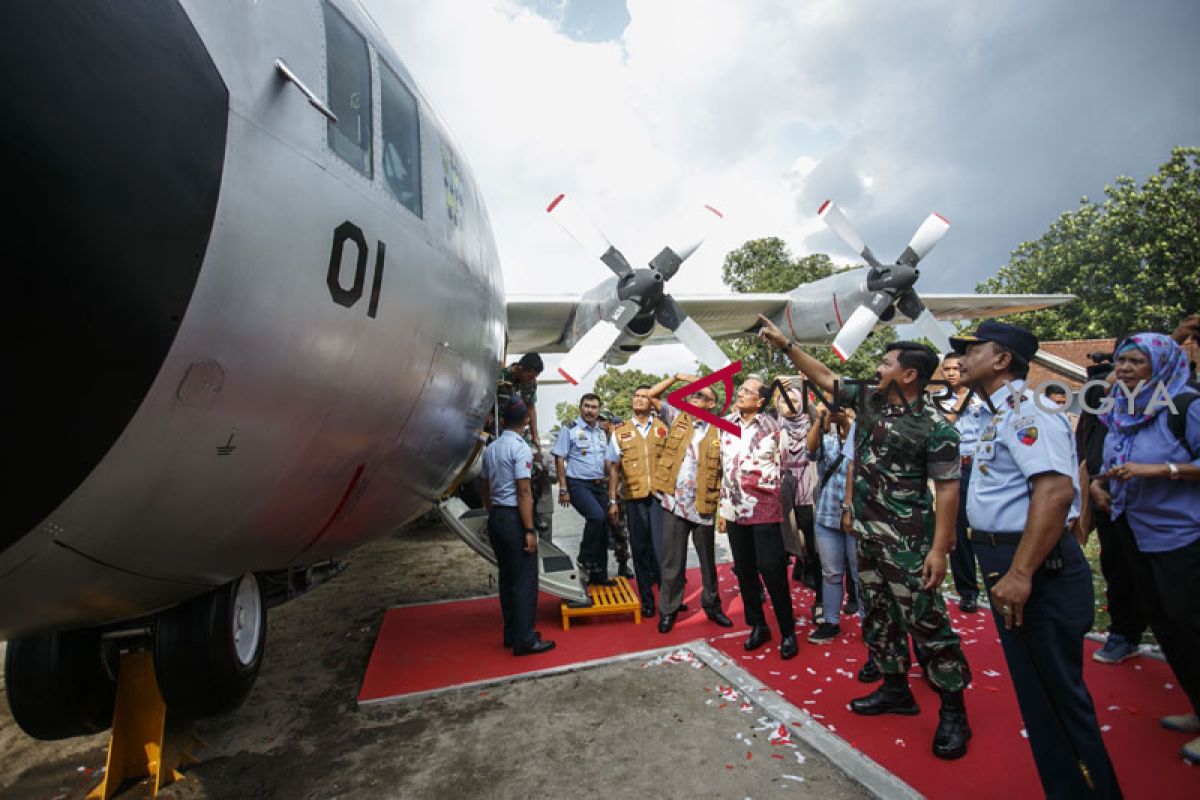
981, 306
540, 322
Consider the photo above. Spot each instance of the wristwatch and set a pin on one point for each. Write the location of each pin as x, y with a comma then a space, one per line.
612, 501
846, 509
1174, 471
787, 346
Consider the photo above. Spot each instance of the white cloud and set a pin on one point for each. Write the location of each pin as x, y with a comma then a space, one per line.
998, 115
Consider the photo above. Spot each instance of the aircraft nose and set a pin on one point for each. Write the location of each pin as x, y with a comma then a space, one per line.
111, 152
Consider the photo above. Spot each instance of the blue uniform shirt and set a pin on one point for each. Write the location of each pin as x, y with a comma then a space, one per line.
1163, 514
1017, 442
583, 447
968, 426
505, 461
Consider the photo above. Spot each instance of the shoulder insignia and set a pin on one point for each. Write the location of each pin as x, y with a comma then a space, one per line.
528, 465
1027, 436
624, 435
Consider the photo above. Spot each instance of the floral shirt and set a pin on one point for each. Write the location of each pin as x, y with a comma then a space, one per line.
683, 502
751, 467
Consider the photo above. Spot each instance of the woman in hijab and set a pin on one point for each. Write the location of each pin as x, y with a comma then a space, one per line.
798, 485
1152, 471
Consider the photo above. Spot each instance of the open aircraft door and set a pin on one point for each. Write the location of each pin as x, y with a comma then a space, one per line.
556, 570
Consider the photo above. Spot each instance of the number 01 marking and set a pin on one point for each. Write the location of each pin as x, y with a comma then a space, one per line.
349, 232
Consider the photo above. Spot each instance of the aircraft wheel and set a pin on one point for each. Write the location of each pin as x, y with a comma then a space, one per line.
57, 684
207, 651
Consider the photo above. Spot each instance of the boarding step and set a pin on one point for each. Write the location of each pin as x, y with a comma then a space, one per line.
618, 599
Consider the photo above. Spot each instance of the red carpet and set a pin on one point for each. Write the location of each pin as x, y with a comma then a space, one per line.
460, 643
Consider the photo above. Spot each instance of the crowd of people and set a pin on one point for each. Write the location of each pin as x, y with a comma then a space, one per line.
874, 490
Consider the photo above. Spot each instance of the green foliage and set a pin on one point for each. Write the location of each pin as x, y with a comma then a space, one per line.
566, 412
767, 265
1131, 260
615, 389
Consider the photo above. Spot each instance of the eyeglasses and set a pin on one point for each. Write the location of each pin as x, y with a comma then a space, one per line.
702, 396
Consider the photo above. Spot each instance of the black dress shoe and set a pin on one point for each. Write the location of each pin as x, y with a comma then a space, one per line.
648, 608
788, 648
580, 603
682, 608
759, 635
950, 740
540, 646
624, 571
718, 616
968, 605
666, 622
893, 697
870, 672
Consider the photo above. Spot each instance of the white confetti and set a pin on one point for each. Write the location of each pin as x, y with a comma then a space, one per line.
832, 728
817, 691
773, 672
900, 743
810, 702
1168, 686
800, 758
991, 673
796, 778
829, 680
1138, 667
810, 670
781, 735
1114, 708
1024, 734
1106, 728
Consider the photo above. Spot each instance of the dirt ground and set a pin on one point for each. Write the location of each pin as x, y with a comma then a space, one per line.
583, 734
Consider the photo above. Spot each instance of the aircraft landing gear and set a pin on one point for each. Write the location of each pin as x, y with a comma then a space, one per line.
207, 651
58, 685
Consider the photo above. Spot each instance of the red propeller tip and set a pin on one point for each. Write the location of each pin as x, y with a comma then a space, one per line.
715, 211
553, 203
943, 219
824, 206
839, 352
570, 380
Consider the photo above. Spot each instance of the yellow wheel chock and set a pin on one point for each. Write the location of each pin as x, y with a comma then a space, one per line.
145, 740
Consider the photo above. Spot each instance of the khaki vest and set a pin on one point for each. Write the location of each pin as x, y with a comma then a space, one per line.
708, 469
638, 456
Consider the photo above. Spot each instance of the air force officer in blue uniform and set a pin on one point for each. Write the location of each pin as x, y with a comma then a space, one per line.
507, 496
1024, 490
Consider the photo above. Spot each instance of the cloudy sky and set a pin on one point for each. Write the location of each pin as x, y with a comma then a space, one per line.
998, 115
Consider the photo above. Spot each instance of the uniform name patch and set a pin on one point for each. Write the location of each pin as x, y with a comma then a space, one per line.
1027, 436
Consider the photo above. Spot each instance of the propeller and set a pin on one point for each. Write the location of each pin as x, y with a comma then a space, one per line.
890, 285
641, 299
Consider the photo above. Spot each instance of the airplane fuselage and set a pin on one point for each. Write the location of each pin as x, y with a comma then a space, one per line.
251, 337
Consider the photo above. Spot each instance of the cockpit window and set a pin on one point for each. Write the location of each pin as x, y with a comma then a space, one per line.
349, 91
401, 141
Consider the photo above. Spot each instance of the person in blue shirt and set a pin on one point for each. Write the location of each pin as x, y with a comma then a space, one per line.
1152, 474
504, 485
831, 448
583, 483
962, 557
1024, 492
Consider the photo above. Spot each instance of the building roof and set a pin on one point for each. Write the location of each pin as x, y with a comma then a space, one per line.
1075, 351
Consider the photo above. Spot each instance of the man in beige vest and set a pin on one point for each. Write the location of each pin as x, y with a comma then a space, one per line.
631, 456
687, 478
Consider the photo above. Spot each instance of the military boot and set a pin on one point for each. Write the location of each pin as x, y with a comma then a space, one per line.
892, 697
950, 740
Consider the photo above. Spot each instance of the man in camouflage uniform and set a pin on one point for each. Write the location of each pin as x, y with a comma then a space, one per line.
900, 444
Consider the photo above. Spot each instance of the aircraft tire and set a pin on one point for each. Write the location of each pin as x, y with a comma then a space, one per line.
207, 651
57, 684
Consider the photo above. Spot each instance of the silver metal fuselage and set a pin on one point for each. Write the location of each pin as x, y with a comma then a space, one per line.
283, 428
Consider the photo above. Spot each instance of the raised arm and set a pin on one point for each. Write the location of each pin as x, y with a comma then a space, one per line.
814, 370
666, 383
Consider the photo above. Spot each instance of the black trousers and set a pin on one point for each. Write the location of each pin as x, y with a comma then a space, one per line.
962, 557
518, 575
808, 569
1045, 659
1168, 597
645, 563
590, 499
1118, 551
758, 551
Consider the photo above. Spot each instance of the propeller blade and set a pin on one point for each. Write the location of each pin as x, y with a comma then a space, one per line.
929, 326
925, 239
673, 255
580, 227
592, 346
838, 223
672, 316
860, 325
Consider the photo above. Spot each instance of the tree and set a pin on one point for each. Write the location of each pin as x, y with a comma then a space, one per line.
566, 412
1131, 260
767, 265
615, 389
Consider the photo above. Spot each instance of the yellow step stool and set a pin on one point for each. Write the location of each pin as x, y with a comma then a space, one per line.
619, 599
